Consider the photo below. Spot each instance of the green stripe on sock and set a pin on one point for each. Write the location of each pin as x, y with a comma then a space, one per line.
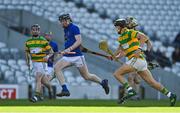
164, 91
38, 94
126, 85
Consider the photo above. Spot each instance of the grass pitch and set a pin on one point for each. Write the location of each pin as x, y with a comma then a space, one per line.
87, 106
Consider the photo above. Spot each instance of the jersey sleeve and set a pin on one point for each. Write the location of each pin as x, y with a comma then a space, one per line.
118, 40
76, 30
134, 33
47, 46
26, 47
56, 48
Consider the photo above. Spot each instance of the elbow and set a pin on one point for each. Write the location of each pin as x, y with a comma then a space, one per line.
149, 43
79, 42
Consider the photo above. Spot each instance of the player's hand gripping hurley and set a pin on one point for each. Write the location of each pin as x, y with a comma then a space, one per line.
104, 46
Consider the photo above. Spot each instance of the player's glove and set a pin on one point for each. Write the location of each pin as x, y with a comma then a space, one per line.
46, 58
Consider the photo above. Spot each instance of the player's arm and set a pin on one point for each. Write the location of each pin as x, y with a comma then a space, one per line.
49, 50
144, 39
27, 54
149, 45
76, 44
28, 58
56, 55
78, 41
119, 52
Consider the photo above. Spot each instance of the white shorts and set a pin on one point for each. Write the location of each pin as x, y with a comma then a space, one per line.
50, 71
78, 61
40, 67
138, 64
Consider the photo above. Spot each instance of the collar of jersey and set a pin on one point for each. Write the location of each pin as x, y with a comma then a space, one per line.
69, 25
126, 30
36, 37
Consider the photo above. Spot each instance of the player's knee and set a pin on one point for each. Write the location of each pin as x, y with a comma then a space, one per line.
87, 77
137, 81
117, 73
130, 79
57, 69
48, 85
38, 78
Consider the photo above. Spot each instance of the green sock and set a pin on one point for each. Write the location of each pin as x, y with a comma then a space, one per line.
164, 91
127, 86
37, 93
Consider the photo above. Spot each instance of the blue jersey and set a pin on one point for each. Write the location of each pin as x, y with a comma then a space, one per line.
54, 47
70, 39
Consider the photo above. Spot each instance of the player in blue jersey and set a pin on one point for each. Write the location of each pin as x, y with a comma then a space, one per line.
54, 46
72, 44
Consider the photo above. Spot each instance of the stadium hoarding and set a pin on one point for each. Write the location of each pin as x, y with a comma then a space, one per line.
9, 91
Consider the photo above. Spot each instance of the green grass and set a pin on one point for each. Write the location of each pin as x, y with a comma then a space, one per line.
87, 106
82, 102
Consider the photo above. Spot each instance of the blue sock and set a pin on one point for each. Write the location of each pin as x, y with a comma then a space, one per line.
102, 82
64, 88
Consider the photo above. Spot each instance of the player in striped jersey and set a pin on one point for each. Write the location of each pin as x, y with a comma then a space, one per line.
130, 43
132, 24
133, 78
35, 46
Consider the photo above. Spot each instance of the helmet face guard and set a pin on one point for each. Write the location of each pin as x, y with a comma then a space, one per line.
65, 17
120, 22
35, 26
131, 22
35, 30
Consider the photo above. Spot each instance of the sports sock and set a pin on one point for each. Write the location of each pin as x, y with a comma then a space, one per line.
102, 82
64, 87
38, 94
166, 92
127, 86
